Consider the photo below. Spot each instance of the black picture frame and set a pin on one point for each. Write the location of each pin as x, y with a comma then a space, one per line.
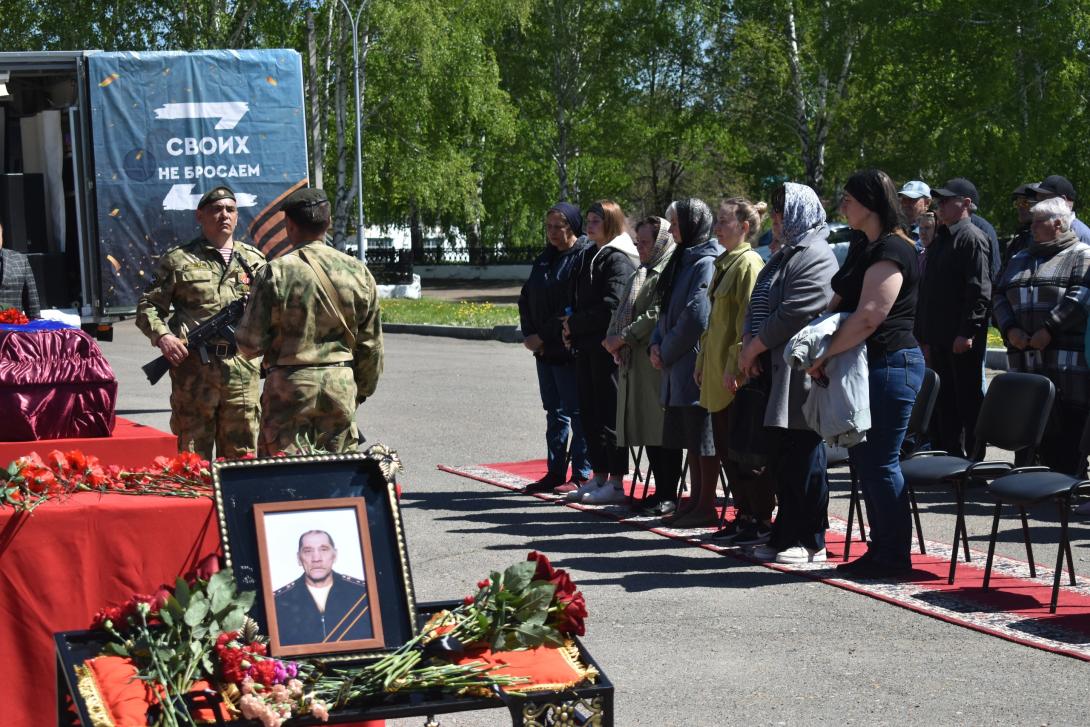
239, 485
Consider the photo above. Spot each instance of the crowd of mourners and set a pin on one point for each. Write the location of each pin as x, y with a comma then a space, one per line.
685, 345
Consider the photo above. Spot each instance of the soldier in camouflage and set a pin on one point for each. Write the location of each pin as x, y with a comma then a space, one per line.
314, 315
215, 403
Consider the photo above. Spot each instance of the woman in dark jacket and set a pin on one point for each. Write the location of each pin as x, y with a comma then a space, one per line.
674, 347
604, 270
542, 302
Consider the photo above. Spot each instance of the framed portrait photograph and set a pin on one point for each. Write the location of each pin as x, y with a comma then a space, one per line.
318, 576
319, 539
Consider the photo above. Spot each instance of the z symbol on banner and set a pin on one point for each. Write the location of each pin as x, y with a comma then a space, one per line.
181, 197
228, 112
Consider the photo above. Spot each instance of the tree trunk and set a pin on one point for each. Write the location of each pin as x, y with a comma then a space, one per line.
315, 104
416, 232
345, 194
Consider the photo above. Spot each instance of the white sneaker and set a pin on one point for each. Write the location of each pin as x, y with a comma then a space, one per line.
799, 554
589, 486
764, 552
607, 494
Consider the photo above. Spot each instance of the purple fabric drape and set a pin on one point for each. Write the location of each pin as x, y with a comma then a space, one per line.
54, 384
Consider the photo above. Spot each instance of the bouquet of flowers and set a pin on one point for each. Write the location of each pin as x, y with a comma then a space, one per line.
198, 629
29, 481
13, 316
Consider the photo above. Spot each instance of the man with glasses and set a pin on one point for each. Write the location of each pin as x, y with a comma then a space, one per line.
1056, 186
213, 403
1023, 199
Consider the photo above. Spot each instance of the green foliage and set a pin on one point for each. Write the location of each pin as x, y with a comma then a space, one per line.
479, 114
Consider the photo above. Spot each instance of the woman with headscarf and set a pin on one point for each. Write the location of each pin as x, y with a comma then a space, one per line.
877, 285
544, 297
604, 270
791, 290
674, 346
639, 412
736, 270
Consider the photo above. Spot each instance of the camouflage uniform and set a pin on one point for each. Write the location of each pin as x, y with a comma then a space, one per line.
314, 380
214, 403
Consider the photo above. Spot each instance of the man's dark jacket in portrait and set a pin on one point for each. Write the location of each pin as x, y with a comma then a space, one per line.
347, 614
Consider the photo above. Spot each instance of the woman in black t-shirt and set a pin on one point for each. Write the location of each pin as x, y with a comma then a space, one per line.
877, 284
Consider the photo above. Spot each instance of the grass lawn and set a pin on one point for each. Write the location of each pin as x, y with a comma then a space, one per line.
994, 339
449, 313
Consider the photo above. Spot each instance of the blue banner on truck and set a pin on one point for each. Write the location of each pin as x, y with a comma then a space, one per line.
167, 127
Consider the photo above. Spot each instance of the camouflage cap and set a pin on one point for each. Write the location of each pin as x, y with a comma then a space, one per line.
216, 194
301, 198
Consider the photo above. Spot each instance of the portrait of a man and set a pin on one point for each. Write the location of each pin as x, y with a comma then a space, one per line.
321, 606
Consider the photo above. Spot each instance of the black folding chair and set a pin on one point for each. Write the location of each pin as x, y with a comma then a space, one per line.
1026, 486
917, 427
1012, 417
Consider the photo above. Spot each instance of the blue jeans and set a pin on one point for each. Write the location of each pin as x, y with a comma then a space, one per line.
895, 380
560, 398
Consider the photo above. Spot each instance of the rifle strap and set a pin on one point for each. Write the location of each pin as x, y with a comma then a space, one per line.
330, 299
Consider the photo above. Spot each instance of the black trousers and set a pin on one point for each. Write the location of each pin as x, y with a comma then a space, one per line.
961, 392
1059, 448
799, 466
665, 465
597, 375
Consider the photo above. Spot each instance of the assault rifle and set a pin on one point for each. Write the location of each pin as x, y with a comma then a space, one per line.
221, 325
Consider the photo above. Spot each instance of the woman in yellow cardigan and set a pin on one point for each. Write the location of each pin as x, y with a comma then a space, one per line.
738, 222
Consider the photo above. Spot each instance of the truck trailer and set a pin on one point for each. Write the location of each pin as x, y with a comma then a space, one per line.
104, 156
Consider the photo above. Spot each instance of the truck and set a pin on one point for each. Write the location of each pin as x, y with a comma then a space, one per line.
104, 156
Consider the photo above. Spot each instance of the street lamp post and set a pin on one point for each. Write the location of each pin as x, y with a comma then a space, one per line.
361, 237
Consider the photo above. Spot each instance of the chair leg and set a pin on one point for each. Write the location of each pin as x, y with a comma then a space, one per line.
991, 545
852, 502
1064, 548
637, 454
1029, 546
959, 534
961, 518
916, 517
726, 494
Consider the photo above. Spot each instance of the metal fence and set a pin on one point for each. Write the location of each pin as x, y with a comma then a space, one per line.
446, 254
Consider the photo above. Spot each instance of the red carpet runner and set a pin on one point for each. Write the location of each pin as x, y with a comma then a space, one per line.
1014, 608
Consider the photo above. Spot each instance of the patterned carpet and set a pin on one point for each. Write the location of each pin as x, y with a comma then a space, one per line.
1015, 607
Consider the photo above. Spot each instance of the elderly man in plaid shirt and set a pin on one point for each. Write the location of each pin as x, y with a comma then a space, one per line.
17, 289
1040, 305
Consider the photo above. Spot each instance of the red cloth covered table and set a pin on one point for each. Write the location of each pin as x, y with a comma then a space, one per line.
131, 445
54, 382
66, 560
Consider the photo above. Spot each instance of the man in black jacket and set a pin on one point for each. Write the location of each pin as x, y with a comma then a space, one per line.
542, 303
321, 606
953, 314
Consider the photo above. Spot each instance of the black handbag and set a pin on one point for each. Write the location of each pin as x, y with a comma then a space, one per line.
747, 437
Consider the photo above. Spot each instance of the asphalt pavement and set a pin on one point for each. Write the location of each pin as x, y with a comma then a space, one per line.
689, 637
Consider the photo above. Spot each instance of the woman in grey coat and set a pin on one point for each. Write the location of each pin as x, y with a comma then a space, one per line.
674, 346
792, 289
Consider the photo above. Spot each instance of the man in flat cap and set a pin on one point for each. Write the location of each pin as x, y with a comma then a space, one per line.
952, 315
212, 404
314, 315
